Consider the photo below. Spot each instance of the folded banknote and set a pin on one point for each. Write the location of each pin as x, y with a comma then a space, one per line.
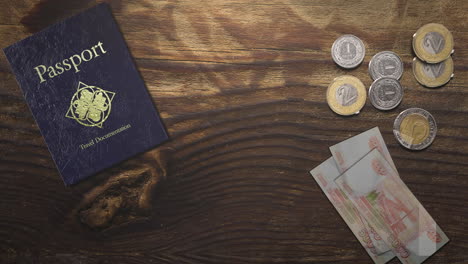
324, 175
381, 197
392, 222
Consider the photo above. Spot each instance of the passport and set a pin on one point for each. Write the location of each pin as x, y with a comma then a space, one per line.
85, 93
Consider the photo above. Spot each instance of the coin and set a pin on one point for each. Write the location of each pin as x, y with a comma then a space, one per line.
348, 51
346, 95
415, 128
433, 43
433, 75
385, 93
385, 64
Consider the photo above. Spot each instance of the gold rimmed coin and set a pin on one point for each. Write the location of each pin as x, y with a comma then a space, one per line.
415, 128
433, 43
433, 74
346, 95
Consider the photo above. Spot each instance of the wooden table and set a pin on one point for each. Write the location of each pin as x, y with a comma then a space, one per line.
240, 85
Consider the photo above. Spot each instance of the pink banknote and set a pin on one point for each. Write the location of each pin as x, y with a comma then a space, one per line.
377, 192
325, 174
348, 152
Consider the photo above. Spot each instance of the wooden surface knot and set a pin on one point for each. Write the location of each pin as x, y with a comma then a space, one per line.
125, 196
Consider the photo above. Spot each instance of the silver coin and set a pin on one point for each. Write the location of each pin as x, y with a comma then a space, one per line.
346, 95
433, 70
385, 64
385, 93
415, 128
433, 42
348, 51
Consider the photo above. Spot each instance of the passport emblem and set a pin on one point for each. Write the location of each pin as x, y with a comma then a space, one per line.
90, 105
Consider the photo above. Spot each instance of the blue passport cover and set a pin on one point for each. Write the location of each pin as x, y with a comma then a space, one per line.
85, 94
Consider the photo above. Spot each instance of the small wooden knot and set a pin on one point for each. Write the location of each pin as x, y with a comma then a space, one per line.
126, 195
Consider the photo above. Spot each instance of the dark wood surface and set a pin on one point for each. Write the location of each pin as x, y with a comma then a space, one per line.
240, 85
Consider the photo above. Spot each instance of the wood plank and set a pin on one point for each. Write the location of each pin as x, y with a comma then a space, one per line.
241, 89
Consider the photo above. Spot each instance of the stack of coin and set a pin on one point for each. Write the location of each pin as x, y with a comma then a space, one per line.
414, 128
385, 68
433, 45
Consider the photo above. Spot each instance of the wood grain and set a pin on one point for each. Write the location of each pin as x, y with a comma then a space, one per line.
240, 86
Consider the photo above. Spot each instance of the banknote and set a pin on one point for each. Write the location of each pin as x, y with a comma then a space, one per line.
324, 175
377, 192
348, 152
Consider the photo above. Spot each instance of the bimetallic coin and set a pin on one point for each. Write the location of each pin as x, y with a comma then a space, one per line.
348, 51
415, 128
433, 43
385, 93
385, 64
433, 75
346, 95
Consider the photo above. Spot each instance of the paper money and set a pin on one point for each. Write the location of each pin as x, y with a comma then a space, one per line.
324, 175
377, 192
348, 152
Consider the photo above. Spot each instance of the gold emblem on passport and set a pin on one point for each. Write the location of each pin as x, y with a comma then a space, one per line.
90, 105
